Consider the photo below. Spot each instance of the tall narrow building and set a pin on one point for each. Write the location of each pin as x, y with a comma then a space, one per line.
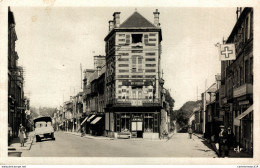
133, 81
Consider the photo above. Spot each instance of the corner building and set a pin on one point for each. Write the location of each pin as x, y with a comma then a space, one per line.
133, 82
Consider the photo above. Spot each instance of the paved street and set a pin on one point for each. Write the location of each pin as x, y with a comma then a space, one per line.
68, 145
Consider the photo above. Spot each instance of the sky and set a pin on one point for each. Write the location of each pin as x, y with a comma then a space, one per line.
53, 42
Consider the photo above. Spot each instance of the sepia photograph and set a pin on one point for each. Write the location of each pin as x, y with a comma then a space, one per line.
130, 82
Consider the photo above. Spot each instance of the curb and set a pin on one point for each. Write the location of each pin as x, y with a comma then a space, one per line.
90, 137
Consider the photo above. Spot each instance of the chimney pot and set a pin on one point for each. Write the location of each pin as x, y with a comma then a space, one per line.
156, 18
111, 25
116, 16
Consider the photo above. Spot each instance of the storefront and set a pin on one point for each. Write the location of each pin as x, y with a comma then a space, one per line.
139, 124
244, 125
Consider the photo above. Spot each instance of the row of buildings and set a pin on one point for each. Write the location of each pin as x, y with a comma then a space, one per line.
18, 104
124, 93
229, 101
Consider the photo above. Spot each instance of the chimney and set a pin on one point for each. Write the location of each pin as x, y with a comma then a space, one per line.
111, 25
156, 17
116, 19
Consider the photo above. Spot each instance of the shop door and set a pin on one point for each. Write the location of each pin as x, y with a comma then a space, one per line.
137, 127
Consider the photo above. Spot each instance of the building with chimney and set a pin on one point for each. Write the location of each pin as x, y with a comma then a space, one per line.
93, 97
16, 101
133, 80
236, 91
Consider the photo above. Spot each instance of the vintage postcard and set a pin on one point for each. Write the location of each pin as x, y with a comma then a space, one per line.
129, 82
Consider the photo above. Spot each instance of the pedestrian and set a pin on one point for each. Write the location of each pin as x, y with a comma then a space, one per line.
21, 134
222, 141
83, 131
230, 140
190, 131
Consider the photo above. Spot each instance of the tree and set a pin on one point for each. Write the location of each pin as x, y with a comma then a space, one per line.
171, 101
47, 111
34, 112
182, 115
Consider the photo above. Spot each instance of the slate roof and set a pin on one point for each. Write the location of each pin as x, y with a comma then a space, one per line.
136, 20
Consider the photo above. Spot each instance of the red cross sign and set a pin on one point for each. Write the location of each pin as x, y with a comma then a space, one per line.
227, 52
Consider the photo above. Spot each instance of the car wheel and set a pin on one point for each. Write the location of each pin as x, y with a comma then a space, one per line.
38, 138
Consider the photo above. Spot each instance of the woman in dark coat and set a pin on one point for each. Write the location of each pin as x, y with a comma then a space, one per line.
21, 134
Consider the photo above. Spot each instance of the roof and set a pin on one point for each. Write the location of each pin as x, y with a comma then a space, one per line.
136, 20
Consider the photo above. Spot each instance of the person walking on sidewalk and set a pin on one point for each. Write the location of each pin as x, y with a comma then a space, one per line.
190, 131
222, 141
21, 134
230, 140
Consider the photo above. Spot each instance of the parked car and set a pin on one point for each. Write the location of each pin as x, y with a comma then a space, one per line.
43, 128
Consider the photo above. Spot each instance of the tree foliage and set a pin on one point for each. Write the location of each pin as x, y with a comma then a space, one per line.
47, 111
182, 115
34, 112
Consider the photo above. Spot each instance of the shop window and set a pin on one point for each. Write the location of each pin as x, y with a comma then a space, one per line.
137, 38
125, 122
148, 122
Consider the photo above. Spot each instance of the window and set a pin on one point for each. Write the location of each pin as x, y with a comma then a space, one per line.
152, 39
150, 54
123, 65
150, 65
123, 76
121, 40
137, 63
137, 51
123, 54
148, 122
150, 70
125, 120
251, 70
149, 59
137, 38
127, 39
251, 24
247, 71
152, 34
123, 70
247, 28
121, 35
123, 59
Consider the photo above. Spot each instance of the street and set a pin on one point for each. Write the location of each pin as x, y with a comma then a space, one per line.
68, 145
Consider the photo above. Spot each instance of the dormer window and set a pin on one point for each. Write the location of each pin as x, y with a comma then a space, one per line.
137, 38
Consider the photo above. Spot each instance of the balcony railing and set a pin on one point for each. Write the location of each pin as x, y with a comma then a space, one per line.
137, 102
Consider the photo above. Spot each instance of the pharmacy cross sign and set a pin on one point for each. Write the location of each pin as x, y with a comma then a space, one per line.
226, 52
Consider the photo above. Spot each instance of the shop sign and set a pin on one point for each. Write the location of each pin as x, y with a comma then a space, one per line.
243, 102
221, 113
20, 108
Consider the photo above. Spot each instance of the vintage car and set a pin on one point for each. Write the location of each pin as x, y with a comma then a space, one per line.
43, 128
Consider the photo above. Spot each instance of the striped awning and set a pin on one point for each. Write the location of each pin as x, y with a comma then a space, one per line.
84, 121
242, 115
91, 118
96, 120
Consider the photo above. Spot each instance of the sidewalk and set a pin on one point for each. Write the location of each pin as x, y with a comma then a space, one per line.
232, 153
107, 138
15, 149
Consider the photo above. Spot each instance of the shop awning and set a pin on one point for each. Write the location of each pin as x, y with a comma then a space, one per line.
242, 115
96, 120
84, 121
90, 118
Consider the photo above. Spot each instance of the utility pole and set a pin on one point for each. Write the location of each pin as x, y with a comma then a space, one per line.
80, 75
204, 109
